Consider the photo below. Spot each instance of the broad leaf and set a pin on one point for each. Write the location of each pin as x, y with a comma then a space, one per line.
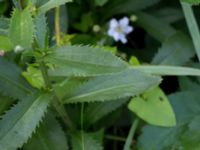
21, 28
5, 103
11, 82
4, 25
100, 2
18, 123
176, 50
84, 141
83, 61
110, 87
49, 136
114, 7
193, 2
154, 26
5, 43
95, 111
186, 106
51, 4
153, 107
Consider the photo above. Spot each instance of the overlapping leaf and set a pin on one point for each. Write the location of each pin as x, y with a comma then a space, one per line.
21, 28
49, 136
109, 87
11, 82
83, 61
18, 123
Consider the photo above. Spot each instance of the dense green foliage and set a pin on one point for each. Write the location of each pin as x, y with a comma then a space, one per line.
67, 82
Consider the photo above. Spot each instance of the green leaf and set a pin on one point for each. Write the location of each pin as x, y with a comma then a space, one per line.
49, 136
176, 50
84, 141
83, 61
51, 4
18, 123
34, 77
5, 103
187, 84
114, 7
5, 43
168, 70
100, 2
4, 25
154, 26
186, 106
40, 30
110, 87
21, 28
153, 107
11, 82
193, 2
95, 111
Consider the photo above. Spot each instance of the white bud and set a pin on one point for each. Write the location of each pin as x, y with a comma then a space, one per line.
2, 52
18, 49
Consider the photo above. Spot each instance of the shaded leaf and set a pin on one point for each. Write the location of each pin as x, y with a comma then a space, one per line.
11, 82
49, 136
176, 50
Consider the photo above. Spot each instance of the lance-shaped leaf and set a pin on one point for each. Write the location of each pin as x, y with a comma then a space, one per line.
84, 141
83, 61
18, 123
49, 136
109, 87
11, 82
193, 2
153, 106
21, 28
51, 4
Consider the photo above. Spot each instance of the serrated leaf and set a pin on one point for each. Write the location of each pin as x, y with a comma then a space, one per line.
40, 30
51, 4
4, 25
176, 50
110, 87
193, 2
5, 103
21, 28
49, 136
95, 111
83, 61
84, 141
18, 123
11, 82
153, 107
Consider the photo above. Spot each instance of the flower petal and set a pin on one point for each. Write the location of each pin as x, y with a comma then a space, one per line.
113, 23
124, 22
123, 39
128, 29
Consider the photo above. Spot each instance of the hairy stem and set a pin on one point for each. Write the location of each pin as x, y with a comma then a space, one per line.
57, 25
56, 102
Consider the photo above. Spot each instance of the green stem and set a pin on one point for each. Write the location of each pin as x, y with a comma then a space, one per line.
56, 102
57, 25
82, 128
192, 25
116, 138
131, 134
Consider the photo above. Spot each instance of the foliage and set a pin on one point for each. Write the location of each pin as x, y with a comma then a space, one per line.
65, 84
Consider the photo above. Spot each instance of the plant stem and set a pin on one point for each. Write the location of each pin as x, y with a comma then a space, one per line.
116, 138
131, 134
192, 25
57, 25
82, 128
56, 102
